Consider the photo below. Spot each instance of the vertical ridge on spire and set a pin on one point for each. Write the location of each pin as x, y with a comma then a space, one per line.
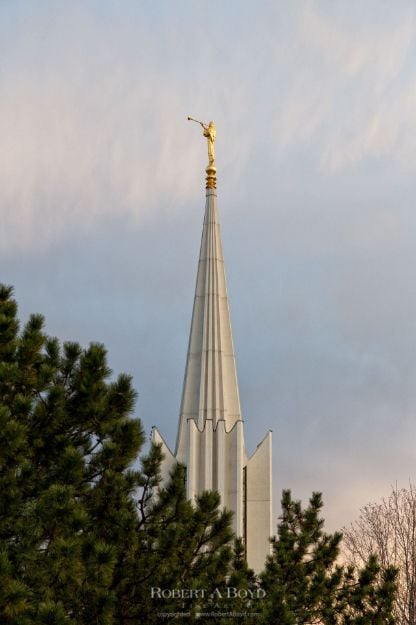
210, 389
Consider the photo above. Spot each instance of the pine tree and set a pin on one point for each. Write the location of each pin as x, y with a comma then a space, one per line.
67, 442
175, 546
305, 585
241, 594
83, 537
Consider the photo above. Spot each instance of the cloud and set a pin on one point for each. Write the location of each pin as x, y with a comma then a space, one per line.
352, 95
93, 107
384, 132
73, 153
93, 122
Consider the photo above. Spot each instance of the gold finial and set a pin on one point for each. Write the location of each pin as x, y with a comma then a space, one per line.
210, 133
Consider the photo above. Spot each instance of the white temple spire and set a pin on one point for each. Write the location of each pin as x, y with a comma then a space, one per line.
210, 389
210, 441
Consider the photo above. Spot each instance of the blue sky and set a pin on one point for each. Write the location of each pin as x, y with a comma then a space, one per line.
102, 196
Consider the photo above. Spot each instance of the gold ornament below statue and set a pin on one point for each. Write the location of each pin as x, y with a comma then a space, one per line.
210, 133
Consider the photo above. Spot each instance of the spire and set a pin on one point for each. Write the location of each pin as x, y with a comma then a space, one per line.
210, 389
210, 439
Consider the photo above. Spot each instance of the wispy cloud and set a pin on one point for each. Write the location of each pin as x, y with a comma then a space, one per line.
352, 93
93, 122
92, 111
73, 153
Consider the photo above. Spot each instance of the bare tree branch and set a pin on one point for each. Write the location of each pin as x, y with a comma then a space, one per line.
388, 530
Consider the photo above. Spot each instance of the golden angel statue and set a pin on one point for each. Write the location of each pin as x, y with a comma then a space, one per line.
210, 133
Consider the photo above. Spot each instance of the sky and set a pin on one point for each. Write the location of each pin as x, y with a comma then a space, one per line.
102, 199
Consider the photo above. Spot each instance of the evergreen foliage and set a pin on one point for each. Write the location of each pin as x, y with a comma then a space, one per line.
304, 583
81, 540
